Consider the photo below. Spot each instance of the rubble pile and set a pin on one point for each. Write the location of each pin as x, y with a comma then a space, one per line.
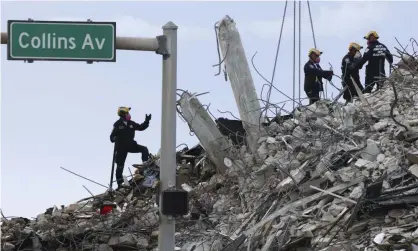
330, 177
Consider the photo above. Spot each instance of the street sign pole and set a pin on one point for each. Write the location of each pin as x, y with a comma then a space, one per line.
166, 240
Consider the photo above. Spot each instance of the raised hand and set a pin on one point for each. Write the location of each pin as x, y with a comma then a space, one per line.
147, 117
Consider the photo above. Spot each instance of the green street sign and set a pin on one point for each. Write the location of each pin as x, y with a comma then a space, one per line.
61, 41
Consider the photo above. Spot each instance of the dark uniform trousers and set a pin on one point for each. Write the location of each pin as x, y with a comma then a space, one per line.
371, 80
313, 96
122, 153
124, 135
347, 72
313, 80
376, 54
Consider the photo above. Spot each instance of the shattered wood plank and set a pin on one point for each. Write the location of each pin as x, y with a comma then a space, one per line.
214, 143
241, 81
283, 210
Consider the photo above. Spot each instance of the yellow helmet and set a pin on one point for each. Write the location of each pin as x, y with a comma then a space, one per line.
371, 33
123, 109
355, 46
316, 51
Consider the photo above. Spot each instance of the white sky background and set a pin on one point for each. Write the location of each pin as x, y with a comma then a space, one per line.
61, 113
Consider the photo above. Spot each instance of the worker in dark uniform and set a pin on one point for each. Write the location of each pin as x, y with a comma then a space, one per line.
375, 54
313, 76
349, 60
123, 135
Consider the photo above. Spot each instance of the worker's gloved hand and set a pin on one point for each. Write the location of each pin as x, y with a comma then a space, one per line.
147, 117
113, 139
329, 75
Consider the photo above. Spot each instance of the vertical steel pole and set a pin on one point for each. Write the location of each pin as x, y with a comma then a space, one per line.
166, 240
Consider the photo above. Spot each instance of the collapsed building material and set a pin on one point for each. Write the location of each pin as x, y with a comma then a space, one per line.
214, 143
233, 129
333, 179
241, 80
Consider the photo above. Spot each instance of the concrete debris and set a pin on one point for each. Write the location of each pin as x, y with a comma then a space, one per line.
412, 157
327, 177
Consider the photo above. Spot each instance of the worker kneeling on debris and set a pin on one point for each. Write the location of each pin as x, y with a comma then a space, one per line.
349, 60
313, 76
123, 135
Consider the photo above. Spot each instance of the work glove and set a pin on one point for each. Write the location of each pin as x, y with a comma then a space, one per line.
147, 117
329, 76
113, 139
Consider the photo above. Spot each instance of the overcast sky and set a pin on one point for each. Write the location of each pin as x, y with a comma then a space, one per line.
61, 113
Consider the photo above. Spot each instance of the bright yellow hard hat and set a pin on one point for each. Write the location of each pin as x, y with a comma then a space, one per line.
371, 33
355, 46
123, 109
313, 50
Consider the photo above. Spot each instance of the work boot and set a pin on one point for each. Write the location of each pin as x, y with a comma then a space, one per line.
121, 184
147, 163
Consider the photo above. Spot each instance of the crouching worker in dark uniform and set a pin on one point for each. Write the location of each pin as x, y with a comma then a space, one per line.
313, 76
347, 68
375, 54
123, 135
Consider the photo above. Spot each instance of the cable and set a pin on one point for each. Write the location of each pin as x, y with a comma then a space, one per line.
294, 52
310, 18
275, 60
300, 43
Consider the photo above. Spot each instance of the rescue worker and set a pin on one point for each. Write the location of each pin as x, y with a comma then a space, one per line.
123, 135
313, 76
349, 60
375, 54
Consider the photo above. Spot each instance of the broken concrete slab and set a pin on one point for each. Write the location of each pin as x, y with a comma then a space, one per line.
371, 151
124, 240
245, 199
414, 170
104, 247
412, 157
214, 143
241, 80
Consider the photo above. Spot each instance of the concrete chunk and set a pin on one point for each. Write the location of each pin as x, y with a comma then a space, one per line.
241, 80
124, 240
414, 170
412, 157
371, 151
214, 143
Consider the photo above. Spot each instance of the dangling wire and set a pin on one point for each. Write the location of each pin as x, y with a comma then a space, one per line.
300, 43
275, 60
294, 52
310, 18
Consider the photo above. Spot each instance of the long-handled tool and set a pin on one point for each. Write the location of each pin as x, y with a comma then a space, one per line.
113, 166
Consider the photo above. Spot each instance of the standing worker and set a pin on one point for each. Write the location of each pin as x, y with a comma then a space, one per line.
313, 76
123, 135
375, 54
349, 60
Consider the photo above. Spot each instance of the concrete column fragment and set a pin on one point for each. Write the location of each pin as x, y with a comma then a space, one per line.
211, 139
241, 80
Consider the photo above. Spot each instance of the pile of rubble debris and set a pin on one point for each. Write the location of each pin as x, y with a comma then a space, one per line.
330, 177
